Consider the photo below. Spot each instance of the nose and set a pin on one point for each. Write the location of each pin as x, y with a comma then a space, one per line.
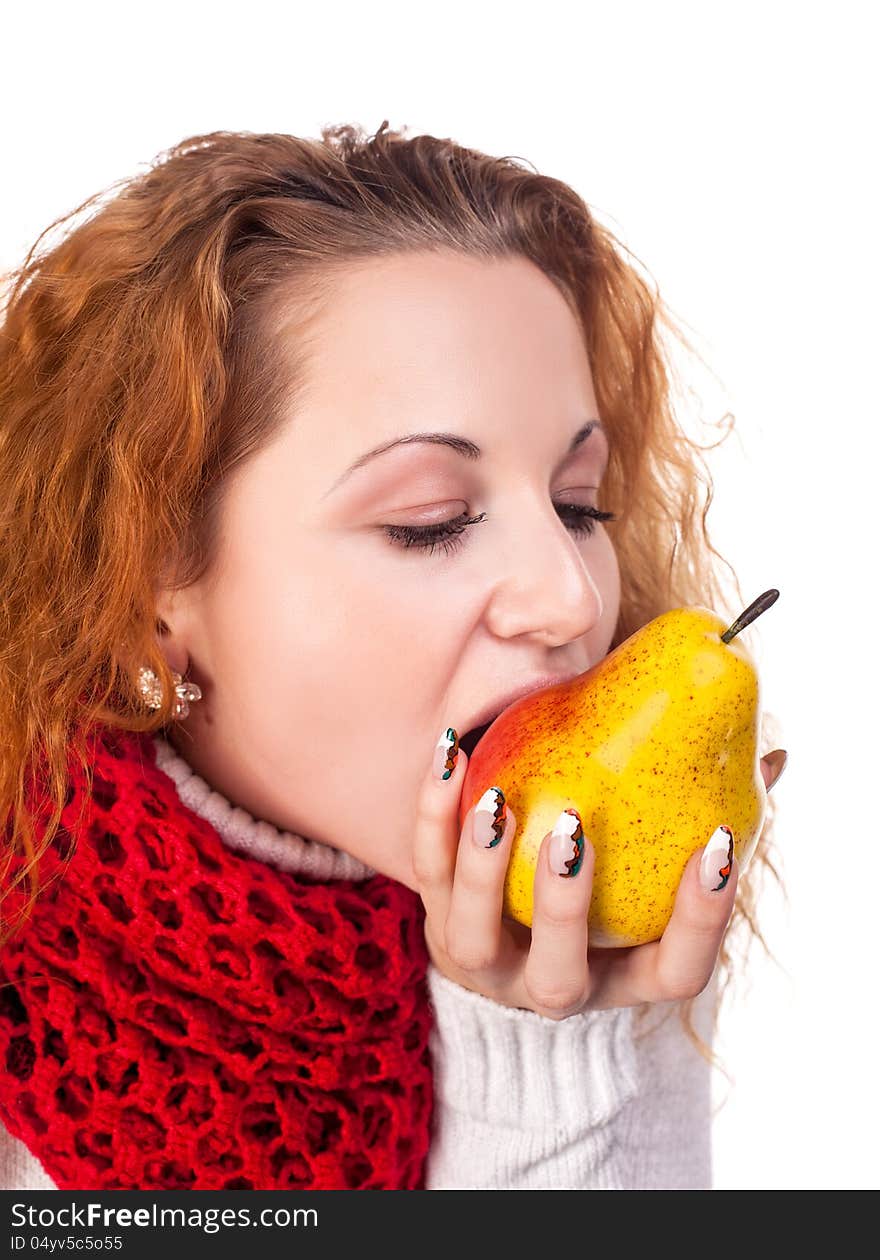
543, 586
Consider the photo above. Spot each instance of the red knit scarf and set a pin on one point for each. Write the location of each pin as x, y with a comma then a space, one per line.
179, 1015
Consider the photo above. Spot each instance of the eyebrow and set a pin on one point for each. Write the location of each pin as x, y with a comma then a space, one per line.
462, 446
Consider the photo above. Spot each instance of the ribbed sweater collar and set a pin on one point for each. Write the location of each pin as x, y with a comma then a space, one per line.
240, 830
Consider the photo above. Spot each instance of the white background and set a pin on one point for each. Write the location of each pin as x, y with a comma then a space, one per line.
734, 149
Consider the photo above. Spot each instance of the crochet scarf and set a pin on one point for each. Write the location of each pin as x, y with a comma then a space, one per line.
178, 1015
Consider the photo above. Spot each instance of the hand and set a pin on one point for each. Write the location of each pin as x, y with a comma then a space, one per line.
550, 968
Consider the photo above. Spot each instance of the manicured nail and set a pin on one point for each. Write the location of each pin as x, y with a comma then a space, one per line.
566, 847
717, 860
780, 761
446, 753
490, 818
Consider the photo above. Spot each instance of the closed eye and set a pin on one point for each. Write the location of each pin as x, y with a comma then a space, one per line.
579, 517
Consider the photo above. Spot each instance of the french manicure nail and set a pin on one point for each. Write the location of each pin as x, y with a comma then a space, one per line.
717, 860
490, 819
445, 753
565, 849
780, 760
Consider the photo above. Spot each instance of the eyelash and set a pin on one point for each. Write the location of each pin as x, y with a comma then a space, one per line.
448, 534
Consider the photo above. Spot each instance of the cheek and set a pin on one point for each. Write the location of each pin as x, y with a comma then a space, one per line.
605, 572
327, 681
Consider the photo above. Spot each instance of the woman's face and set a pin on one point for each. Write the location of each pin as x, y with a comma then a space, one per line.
331, 656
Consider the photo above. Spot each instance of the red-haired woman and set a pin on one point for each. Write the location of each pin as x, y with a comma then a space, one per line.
313, 453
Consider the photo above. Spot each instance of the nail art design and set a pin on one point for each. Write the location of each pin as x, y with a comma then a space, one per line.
490, 818
566, 848
446, 753
717, 860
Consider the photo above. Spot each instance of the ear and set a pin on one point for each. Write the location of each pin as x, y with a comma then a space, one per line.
173, 617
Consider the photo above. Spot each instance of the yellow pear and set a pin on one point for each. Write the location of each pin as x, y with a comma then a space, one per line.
655, 746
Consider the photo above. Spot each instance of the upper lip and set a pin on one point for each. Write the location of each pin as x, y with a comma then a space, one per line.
491, 710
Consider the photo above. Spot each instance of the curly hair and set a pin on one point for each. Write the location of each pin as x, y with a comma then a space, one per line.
142, 361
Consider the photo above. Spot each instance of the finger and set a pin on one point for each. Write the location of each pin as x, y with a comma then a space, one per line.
772, 766
556, 974
681, 963
473, 923
435, 842
687, 951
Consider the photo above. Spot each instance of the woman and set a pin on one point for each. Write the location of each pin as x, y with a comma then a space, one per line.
336, 418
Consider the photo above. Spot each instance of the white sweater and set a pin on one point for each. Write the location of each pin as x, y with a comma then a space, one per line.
598, 1101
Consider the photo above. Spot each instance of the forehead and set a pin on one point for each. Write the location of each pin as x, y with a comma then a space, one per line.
395, 328
395, 296
426, 341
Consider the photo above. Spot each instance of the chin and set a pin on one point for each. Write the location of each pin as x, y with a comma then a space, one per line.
401, 872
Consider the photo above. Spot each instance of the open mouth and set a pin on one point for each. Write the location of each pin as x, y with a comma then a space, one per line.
470, 739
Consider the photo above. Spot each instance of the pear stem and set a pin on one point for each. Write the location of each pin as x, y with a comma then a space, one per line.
754, 610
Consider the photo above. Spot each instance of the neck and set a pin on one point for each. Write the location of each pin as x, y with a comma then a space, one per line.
260, 839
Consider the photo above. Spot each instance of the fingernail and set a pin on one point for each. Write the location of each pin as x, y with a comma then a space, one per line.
782, 765
566, 847
717, 860
445, 753
490, 818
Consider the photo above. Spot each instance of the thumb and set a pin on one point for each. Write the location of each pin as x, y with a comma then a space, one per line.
772, 765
